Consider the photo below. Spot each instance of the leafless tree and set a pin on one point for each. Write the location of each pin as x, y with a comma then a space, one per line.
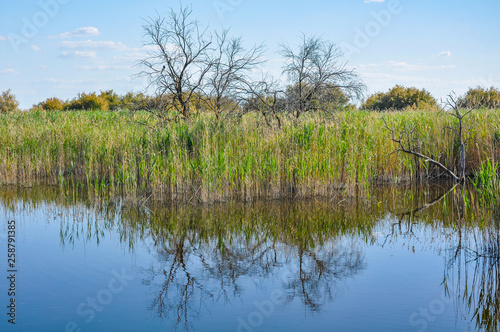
315, 65
453, 104
229, 67
177, 61
408, 142
264, 97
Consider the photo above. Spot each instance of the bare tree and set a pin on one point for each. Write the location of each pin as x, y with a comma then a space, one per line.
409, 144
453, 104
265, 97
177, 63
229, 68
315, 65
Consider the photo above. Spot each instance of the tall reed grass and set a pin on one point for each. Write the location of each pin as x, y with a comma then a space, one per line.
208, 160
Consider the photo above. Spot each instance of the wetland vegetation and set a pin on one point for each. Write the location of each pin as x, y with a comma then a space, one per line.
188, 260
206, 160
231, 202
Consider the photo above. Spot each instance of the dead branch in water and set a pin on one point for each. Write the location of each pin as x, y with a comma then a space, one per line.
410, 148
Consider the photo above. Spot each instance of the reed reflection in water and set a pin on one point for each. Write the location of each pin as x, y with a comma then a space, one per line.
204, 256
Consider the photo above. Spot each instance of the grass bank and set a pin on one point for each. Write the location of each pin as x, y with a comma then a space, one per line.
205, 160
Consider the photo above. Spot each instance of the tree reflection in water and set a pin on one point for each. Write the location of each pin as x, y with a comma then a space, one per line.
473, 275
319, 273
207, 255
472, 271
207, 258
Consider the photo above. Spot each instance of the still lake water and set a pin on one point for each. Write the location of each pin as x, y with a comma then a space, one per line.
365, 264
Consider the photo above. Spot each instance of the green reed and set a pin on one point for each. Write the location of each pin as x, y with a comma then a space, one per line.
239, 159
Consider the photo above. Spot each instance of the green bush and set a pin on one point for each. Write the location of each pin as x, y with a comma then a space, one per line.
480, 98
8, 102
88, 101
51, 104
327, 98
113, 99
399, 98
135, 101
331, 98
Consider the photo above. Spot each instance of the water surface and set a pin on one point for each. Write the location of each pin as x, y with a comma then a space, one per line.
400, 259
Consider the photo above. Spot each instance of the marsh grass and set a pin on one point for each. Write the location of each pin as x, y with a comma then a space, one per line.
303, 223
205, 160
244, 238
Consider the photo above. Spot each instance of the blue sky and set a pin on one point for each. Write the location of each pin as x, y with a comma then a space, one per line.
62, 47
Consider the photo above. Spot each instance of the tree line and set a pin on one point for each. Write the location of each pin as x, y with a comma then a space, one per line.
398, 98
191, 69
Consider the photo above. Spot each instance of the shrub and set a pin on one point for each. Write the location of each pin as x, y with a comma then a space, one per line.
328, 98
113, 99
51, 104
480, 98
8, 102
399, 98
88, 101
135, 101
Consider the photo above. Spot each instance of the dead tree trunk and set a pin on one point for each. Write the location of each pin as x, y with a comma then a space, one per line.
410, 148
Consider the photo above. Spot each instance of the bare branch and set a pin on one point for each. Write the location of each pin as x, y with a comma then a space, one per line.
176, 65
229, 66
410, 150
264, 96
315, 67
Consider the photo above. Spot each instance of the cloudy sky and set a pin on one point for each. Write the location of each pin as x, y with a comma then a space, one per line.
62, 47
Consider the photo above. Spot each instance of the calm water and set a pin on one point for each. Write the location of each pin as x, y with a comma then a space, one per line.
366, 264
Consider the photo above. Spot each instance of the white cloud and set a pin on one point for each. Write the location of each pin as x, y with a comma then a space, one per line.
368, 1
3, 37
439, 87
439, 80
445, 54
405, 67
154, 48
50, 80
137, 54
130, 57
44, 66
102, 67
78, 55
9, 71
53, 80
80, 32
91, 44
35, 48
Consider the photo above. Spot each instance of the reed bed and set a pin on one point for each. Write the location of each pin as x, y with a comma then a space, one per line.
206, 160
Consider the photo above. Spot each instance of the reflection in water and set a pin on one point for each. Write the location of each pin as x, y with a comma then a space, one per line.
320, 270
473, 274
195, 276
211, 254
